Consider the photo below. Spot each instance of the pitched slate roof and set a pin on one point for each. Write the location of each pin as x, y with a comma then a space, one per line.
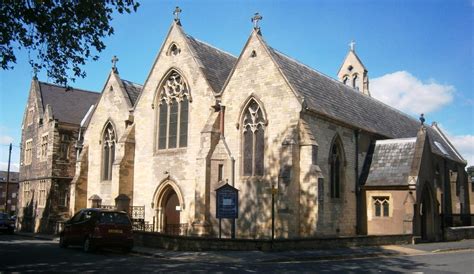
68, 105
337, 101
391, 162
217, 64
133, 90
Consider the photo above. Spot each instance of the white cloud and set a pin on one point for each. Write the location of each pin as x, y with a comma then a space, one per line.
407, 93
5, 140
464, 144
13, 166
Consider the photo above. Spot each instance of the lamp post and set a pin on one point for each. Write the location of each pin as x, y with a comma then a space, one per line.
8, 177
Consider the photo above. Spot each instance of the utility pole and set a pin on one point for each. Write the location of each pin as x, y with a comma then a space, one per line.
8, 177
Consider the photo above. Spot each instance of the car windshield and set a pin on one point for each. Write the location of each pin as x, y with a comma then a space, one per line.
113, 218
3, 216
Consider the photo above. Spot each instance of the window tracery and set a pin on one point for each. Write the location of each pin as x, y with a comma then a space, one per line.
173, 112
253, 127
108, 152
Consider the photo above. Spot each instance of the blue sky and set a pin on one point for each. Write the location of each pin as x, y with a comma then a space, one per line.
419, 54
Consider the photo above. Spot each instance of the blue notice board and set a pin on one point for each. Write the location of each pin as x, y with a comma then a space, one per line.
227, 202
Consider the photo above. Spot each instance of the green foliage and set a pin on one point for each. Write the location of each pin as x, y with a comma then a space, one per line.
59, 35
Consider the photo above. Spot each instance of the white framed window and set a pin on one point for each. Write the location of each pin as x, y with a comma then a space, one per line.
26, 193
29, 116
44, 147
42, 193
28, 151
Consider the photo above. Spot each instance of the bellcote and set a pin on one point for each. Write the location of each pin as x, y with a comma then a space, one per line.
353, 73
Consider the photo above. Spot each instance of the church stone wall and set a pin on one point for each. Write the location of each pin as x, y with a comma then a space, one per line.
152, 167
111, 107
336, 216
259, 77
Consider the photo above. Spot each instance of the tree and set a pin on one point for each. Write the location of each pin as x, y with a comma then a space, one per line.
59, 35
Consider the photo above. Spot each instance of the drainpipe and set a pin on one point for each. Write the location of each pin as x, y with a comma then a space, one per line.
357, 186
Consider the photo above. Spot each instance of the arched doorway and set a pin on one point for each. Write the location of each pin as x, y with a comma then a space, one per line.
427, 211
169, 204
171, 217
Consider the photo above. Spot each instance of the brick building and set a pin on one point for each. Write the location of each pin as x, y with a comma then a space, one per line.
50, 128
12, 192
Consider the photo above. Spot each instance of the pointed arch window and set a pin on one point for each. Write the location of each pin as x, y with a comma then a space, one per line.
173, 112
253, 127
108, 152
345, 80
336, 168
354, 82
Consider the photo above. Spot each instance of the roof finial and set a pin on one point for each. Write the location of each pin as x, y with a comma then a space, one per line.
114, 63
352, 45
422, 119
176, 13
257, 17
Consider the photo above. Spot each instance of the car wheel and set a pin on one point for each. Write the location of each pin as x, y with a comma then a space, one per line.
87, 246
62, 242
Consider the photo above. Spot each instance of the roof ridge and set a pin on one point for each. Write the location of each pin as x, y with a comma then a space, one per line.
342, 85
134, 83
209, 45
73, 88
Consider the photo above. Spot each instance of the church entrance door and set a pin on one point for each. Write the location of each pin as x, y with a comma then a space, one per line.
171, 218
427, 217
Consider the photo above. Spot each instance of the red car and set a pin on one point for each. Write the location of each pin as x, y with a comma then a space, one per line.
94, 228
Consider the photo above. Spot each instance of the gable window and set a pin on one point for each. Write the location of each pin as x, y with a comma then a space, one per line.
381, 206
28, 151
108, 152
253, 131
29, 116
173, 113
44, 146
336, 168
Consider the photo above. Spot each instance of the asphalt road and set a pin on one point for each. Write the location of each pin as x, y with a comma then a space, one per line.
22, 254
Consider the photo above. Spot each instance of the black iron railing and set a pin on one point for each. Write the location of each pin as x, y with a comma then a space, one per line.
176, 229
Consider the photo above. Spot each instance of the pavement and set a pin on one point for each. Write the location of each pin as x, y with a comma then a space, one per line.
293, 255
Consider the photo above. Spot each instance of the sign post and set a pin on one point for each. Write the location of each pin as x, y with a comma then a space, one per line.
227, 205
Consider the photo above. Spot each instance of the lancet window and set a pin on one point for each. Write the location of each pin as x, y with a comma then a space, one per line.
173, 112
336, 168
253, 127
108, 152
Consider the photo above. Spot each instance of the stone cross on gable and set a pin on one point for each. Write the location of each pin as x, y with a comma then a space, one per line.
352, 45
257, 17
114, 63
176, 13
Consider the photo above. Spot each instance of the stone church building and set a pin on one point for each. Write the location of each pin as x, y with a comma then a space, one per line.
337, 161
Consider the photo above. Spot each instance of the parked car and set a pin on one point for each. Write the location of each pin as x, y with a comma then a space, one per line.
7, 224
96, 228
